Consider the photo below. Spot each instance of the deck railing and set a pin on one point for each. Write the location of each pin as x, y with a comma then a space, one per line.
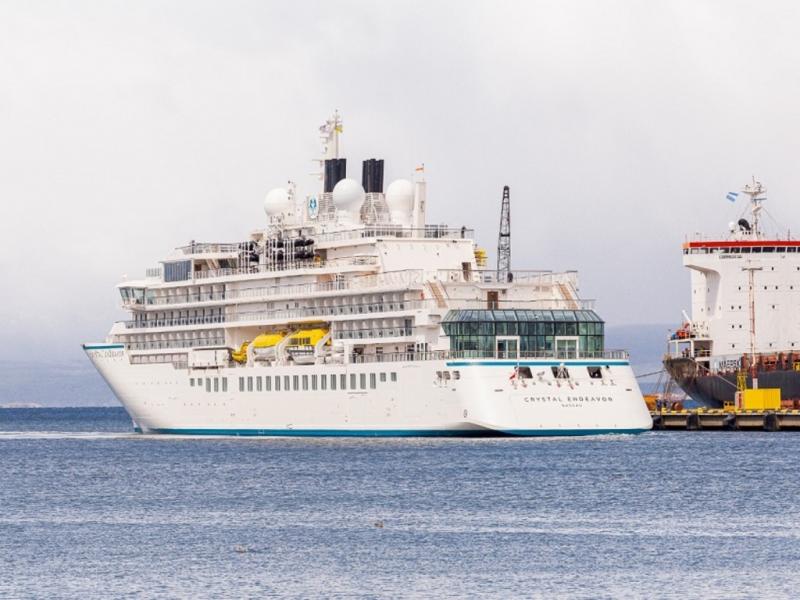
365, 309
481, 355
394, 279
396, 231
293, 265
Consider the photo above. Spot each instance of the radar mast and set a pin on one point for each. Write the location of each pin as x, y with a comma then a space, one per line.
756, 193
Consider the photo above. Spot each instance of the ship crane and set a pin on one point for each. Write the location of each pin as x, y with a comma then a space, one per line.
504, 239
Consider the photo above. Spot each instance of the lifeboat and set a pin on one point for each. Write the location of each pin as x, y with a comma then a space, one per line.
264, 345
302, 343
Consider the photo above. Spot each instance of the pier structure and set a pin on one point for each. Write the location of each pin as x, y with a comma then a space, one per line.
712, 419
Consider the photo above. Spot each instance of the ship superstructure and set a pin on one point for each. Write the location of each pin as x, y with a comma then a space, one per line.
348, 314
743, 327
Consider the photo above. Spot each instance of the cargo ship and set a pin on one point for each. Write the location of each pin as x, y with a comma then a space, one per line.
743, 331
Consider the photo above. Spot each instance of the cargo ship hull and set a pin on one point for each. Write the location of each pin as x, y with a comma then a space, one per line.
714, 390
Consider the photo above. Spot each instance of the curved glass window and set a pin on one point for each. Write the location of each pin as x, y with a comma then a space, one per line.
475, 330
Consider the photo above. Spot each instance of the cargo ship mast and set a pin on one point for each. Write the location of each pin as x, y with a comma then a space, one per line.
756, 193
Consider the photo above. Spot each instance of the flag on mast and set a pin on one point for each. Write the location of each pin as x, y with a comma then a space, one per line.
732, 196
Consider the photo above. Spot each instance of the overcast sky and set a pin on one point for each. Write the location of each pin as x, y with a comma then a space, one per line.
129, 128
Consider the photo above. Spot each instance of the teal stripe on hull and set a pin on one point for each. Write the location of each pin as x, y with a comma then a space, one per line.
103, 346
391, 432
530, 363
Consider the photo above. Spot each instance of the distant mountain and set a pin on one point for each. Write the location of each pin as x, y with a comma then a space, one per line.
646, 344
55, 383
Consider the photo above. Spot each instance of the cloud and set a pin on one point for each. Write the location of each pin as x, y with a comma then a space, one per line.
131, 128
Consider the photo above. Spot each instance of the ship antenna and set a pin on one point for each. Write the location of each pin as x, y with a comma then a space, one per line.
504, 239
756, 191
329, 137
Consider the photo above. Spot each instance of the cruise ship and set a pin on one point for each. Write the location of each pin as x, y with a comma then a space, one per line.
344, 313
743, 330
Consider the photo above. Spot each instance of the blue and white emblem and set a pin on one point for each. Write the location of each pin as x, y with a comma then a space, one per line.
313, 207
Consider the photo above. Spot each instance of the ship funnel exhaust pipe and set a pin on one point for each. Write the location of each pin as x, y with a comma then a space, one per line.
335, 171
372, 176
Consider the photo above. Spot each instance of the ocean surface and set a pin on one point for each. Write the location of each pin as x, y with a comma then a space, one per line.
90, 510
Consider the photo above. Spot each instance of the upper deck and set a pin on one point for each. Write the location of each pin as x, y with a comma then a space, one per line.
751, 246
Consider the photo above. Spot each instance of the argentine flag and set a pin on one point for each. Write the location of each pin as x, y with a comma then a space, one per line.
732, 196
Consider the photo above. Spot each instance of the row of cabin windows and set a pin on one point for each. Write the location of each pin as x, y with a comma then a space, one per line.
741, 250
296, 382
216, 384
315, 382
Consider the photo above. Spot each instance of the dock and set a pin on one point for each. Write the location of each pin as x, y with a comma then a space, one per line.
726, 420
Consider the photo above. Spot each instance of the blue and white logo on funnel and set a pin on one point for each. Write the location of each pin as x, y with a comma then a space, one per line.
313, 207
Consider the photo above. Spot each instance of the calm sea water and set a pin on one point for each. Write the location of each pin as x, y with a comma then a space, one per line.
90, 510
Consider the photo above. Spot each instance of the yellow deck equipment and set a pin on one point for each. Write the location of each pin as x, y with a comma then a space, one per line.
268, 340
307, 337
240, 355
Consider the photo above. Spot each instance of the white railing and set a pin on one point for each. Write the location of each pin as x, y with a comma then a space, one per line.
396, 231
328, 311
481, 355
367, 309
394, 279
539, 278
377, 333
165, 344
284, 267
209, 248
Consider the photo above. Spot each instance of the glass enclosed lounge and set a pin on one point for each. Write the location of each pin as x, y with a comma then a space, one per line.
508, 333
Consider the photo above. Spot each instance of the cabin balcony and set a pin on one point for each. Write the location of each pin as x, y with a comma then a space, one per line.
280, 316
387, 281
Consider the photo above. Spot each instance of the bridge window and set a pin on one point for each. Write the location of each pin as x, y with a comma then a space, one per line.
224, 384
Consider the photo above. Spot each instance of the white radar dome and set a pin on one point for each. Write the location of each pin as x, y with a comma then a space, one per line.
400, 196
277, 202
348, 195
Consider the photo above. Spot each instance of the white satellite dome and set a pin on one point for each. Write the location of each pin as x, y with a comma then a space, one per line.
348, 195
277, 202
400, 196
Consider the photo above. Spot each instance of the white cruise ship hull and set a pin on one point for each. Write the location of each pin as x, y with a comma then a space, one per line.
415, 398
